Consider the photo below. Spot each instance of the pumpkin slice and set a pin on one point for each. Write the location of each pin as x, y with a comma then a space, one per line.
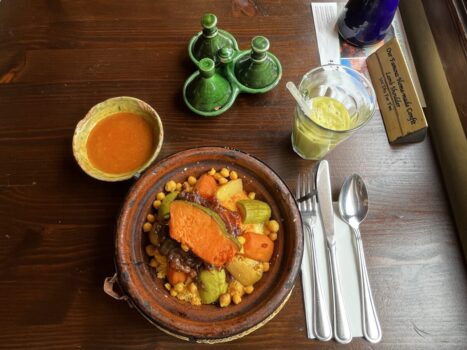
203, 231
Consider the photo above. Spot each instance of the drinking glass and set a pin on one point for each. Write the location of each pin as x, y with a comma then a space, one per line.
312, 140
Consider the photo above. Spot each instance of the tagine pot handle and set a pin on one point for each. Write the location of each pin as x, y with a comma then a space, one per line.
109, 289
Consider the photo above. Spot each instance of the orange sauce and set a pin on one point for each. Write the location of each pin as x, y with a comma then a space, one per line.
120, 143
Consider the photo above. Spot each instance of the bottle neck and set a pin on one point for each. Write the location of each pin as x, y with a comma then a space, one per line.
258, 57
210, 33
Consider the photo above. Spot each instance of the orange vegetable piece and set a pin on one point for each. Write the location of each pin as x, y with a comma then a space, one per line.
257, 246
197, 229
206, 186
175, 276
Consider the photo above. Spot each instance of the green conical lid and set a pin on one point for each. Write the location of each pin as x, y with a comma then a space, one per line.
209, 91
258, 69
211, 40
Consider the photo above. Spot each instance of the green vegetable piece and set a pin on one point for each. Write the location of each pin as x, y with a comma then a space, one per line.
164, 209
213, 284
253, 211
219, 221
245, 270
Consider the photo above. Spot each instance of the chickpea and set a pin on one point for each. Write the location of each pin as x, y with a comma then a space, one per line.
179, 287
266, 266
217, 176
212, 171
186, 186
233, 175
156, 204
150, 250
241, 240
147, 227
273, 236
160, 258
235, 287
170, 186
249, 289
150, 218
153, 238
160, 196
223, 181
224, 172
224, 300
192, 180
192, 288
273, 225
251, 195
153, 263
178, 186
237, 299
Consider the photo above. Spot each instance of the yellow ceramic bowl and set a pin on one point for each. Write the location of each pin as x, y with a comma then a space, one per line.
103, 110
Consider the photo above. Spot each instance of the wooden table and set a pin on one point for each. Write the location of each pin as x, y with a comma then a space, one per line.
59, 58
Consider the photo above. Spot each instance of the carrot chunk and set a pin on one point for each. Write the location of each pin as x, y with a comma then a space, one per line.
175, 276
206, 186
258, 246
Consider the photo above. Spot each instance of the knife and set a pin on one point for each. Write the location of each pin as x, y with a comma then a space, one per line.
323, 187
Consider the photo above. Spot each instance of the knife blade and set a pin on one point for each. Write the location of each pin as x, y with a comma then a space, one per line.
341, 326
324, 194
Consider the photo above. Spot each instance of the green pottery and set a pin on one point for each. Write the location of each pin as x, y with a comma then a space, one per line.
220, 78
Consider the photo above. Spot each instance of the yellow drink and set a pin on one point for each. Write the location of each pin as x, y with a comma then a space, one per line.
314, 135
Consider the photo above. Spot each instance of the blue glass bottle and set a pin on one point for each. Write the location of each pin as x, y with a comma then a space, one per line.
365, 22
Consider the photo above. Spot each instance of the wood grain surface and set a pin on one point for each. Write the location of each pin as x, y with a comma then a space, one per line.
59, 58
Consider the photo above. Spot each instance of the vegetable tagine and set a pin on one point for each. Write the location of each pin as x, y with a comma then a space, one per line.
210, 241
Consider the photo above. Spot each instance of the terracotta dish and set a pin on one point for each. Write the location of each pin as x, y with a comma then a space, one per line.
207, 323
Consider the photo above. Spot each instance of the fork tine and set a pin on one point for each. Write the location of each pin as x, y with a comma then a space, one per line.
313, 188
297, 191
304, 190
303, 180
307, 190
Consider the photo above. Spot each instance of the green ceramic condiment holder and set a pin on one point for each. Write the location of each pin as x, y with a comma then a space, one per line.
224, 71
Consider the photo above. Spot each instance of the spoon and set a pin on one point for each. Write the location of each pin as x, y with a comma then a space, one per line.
298, 97
353, 207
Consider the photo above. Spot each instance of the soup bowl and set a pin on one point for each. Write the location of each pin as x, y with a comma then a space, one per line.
99, 112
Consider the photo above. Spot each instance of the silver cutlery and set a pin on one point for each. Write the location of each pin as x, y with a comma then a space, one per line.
353, 207
323, 187
306, 199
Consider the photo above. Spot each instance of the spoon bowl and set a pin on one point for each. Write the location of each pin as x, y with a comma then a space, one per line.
353, 201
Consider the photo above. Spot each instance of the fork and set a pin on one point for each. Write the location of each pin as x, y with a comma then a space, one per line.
306, 199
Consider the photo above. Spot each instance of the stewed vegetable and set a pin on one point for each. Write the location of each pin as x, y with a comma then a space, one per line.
210, 240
